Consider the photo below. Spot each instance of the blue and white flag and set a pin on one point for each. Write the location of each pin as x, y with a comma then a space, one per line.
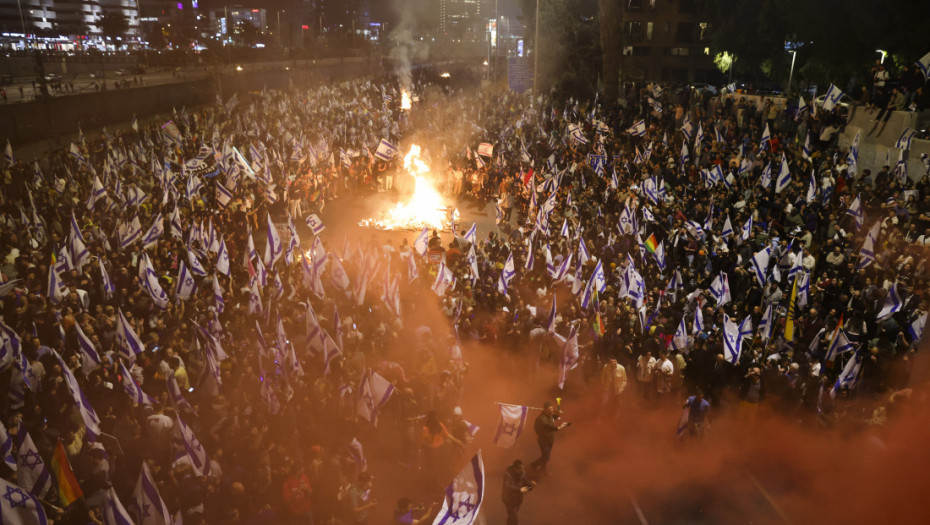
766, 179
31, 471
444, 279
577, 134
915, 330
223, 195
149, 281
128, 342
747, 229
374, 392
924, 66
273, 248
133, 390
832, 97
315, 224
867, 252
88, 415
90, 359
155, 232
55, 285
627, 222
638, 129
463, 497
186, 285
570, 355
6, 448
8, 154
151, 508
852, 158
784, 176
188, 445
766, 139
732, 340
421, 244
222, 259
804, 288
510, 426
680, 340
559, 274
386, 151
855, 210
108, 286
659, 256
720, 289
766, 325
471, 236
75, 153
19, 507
838, 346
698, 321
727, 228
893, 303
583, 255
718, 136
849, 378
760, 265
113, 511
806, 148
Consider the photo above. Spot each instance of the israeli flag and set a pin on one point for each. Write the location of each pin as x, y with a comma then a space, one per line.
760, 265
75, 153
88, 415
55, 286
718, 136
852, 159
784, 176
223, 195
155, 232
765, 141
373, 393
916, 329
186, 284
464, 495
732, 341
838, 346
570, 355
832, 97
510, 426
806, 148
680, 340
766, 176
849, 378
638, 129
152, 509
471, 236
893, 303
685, 156
6, 448
130, 232
599, 278
924, 66
561, 273
315, 224
904, 141
188, 444
766, 325
727, 228
553, 315
627, 221
108, 287
31, 471
660, 256
577, 134
583, 255
530, 258
128, 342
445, 277
421, 244
720, 289
89, 357
855, 210
133, 390
747, 229
149, 281
698, 321
386, 151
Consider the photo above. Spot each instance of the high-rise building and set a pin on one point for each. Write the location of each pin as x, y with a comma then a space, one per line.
462, 19
46, 19
665, 40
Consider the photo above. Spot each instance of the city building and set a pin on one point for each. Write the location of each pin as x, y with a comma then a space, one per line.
64, 24
665, 40
464, 21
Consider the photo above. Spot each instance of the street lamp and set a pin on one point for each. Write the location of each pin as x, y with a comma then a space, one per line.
884, 54
794, 55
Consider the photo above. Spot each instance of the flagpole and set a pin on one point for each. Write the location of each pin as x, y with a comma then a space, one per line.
528, 408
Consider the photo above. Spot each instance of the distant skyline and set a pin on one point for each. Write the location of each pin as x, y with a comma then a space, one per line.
379, 8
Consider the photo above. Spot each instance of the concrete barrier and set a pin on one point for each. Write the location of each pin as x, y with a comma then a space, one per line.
877, 140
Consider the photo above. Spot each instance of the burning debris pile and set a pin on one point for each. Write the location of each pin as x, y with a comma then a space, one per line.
425, 208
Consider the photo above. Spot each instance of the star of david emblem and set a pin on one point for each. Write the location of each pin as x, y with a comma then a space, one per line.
508, 428
145, 510
369, 401
16, 497
31, 459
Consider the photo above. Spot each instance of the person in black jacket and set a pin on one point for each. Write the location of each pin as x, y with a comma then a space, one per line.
516, 484
546, 425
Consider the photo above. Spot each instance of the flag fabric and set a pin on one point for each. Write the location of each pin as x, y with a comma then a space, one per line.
222, 259
915, 330
570, 356
89, 357
444, 278
8, 154
510, 426
698, 321
732, 341
316, 224
463, 497
472, 234
766, 325
680, 339
659, 255
190, 446
867, 252
784, 176
486, 149
855, 210
893, 303
727, 228
650, 244
88, 415
838, 345
273, 248
747, 229
421, 244
638, 129
133, 390
18, 507
128, 342
114, 513
924, 66
55, 286
766, 139
720, 289
68, 489
152, 509
374, 392
186, 284
31, 471
154, 232
386, 151
149, 281
832, 97
849, 378
6, 448
760, 265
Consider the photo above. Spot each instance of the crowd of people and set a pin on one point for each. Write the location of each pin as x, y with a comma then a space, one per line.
144, 327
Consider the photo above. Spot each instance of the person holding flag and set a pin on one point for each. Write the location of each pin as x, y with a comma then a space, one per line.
547, 423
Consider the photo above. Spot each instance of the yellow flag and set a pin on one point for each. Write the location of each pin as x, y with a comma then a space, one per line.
792, 311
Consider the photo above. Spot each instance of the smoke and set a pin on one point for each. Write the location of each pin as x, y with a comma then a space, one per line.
406, 50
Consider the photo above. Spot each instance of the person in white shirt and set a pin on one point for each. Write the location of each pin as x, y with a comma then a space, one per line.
645, 371
663, 371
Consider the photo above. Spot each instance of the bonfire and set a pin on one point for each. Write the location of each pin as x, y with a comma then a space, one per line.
424, 209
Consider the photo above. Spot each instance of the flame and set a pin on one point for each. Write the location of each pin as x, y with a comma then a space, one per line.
405, 101
425, 208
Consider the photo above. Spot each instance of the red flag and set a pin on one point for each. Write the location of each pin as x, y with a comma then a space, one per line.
527, 177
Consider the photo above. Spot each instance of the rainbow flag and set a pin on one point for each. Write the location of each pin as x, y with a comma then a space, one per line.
68, 489
651, 244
